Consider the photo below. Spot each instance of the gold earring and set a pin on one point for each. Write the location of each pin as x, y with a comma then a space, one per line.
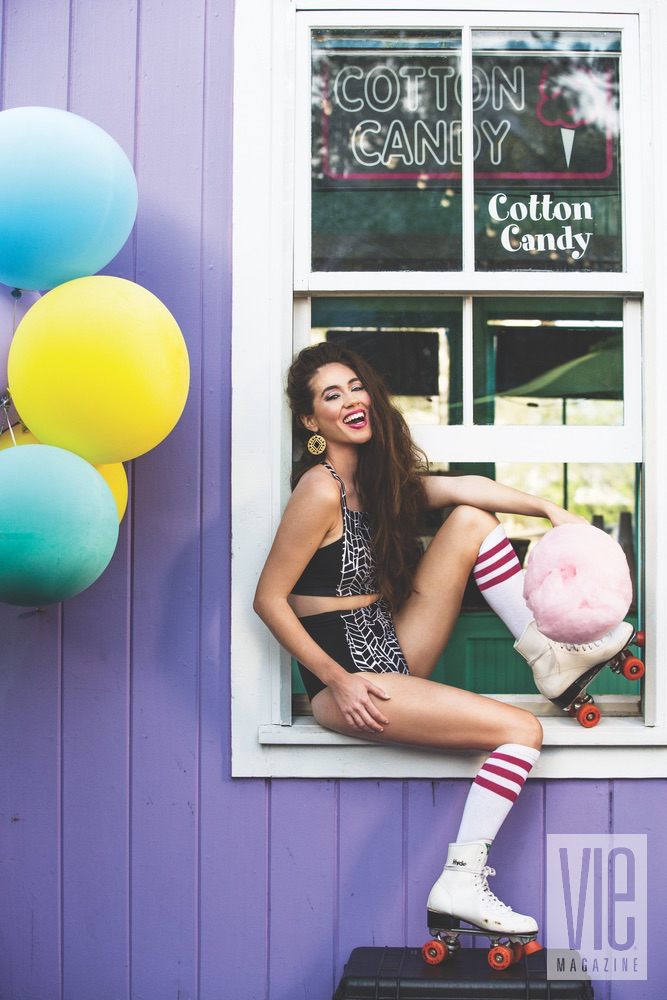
316, 444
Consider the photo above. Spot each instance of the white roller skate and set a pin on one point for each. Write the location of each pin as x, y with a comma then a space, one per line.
462, 894
563, 671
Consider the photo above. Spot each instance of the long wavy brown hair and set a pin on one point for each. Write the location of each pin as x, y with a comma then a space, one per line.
389, 470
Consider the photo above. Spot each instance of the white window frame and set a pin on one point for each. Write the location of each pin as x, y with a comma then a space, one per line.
272, 287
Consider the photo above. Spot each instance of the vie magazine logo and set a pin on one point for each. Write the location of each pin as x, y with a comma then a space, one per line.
596, 906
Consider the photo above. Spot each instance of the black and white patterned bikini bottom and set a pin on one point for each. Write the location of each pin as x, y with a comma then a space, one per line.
362, 639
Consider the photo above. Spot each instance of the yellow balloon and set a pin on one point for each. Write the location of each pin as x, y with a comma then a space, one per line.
99, 366
114, 475
116, 479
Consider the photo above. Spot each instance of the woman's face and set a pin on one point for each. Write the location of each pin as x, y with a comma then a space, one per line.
340, 406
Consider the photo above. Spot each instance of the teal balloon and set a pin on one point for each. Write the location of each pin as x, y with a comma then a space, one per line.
58, 525
68, 197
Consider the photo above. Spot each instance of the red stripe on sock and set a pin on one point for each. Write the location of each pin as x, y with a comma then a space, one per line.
498, 789
501, 579
485, 570
485, 556
525, 764
518, 779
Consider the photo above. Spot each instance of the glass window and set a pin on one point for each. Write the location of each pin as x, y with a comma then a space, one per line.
386, 150
546, 147
536, 361
548, 361
388, 146
414, 342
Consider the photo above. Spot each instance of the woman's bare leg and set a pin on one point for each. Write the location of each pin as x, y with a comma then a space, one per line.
424, 624
429, 714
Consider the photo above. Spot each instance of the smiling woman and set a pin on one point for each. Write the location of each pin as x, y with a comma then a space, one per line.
375, 456
340, 406
348, 593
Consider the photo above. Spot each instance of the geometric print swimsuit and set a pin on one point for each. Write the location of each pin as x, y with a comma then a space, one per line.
360, 639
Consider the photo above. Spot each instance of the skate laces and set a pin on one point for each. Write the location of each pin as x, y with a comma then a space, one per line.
483, 888
582, 647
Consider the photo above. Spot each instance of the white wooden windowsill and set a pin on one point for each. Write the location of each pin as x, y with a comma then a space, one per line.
618, 747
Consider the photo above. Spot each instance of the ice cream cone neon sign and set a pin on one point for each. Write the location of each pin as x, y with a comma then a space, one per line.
572, 98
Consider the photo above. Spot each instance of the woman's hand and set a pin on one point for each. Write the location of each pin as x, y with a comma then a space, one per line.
558, 515
352, 695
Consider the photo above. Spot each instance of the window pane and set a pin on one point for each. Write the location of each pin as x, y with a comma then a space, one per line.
546, 134
548, 361
414, 342
386, 150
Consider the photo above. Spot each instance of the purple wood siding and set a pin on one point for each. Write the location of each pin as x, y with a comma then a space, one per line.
131, 865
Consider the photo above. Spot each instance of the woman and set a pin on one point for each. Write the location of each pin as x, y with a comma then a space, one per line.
347, 591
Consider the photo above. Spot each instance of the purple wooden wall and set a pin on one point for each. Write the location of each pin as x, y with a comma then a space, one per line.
131, 865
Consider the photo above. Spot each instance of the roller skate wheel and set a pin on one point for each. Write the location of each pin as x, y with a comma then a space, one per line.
532, 947
517, 952
501, 957
633, 668
640, 639
587, 715
434, 952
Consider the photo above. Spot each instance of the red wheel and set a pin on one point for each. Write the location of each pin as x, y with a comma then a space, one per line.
640, 639
633, 668
532, 947
434, 952
517, 952
588, 715
500, 957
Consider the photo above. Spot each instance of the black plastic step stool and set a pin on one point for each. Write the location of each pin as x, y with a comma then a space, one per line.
402, 974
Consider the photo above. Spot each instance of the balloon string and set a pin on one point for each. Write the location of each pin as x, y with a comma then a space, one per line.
5, 401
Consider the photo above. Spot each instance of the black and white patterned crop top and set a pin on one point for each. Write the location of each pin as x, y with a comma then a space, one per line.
346, 567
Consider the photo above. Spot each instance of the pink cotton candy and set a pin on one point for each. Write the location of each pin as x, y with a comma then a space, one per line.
577, 583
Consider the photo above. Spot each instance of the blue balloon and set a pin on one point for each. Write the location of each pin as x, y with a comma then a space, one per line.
68, 197
58, 525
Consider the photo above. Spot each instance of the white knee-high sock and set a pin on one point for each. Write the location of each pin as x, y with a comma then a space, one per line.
499, 576
494, 791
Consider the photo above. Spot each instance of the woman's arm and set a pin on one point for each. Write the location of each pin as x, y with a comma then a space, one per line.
478, 491
312, 513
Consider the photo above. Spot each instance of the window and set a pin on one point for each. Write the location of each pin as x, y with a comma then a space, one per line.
468, 208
